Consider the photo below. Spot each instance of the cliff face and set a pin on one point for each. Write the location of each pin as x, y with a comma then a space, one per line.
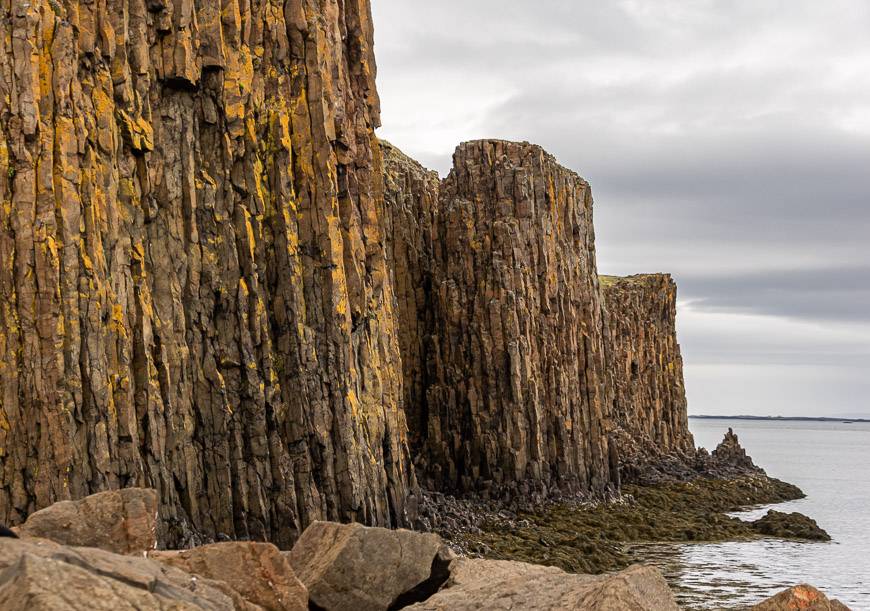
645, 368
211, 285
193, 287
411, 201
505, 368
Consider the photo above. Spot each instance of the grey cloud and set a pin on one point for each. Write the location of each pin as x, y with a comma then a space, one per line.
840, 294
726, 141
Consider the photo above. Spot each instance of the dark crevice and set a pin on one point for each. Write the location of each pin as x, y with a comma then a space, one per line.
438, 576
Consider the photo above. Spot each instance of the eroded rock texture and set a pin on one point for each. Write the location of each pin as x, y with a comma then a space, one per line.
411, 195
505, 369
645, 366
193, 290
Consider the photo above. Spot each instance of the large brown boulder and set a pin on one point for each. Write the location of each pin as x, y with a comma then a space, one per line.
120, 521
502, 584
257, 571
800, 598
38, 575
348, 566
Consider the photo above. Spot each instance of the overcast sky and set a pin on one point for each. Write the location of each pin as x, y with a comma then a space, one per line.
727, 142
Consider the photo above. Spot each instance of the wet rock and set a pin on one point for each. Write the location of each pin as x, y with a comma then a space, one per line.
354, 567
790, 526
37, 575
496, 584
120, 521
258, 572
800, 598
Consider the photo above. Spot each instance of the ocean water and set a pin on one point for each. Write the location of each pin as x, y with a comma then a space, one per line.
831, 464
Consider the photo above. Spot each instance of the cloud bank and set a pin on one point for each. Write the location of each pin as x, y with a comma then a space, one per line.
727, 142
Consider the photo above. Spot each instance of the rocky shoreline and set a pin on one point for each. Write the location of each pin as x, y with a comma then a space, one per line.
679, 500
100, 553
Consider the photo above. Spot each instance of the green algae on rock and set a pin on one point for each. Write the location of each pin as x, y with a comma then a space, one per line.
790, 526
593, 537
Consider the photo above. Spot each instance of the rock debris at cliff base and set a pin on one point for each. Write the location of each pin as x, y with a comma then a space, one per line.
333, 566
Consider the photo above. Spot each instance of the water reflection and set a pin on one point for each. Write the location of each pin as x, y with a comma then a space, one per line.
831, 462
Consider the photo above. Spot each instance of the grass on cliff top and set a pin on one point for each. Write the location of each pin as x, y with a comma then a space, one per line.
593, 539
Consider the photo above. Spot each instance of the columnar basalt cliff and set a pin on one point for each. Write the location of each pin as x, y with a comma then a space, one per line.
645, 368
193, 287
505, 371
411, 198
211, 285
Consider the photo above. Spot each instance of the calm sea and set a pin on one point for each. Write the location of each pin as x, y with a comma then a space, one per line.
831, 463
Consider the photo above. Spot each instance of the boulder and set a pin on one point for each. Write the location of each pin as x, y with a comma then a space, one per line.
37, 575
349, 566
502, 584
803, 598
120, 521
258, 572
790, 526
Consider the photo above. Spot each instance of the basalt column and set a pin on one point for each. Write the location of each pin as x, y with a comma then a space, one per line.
645, 366
513, 363
193, 288
411, 198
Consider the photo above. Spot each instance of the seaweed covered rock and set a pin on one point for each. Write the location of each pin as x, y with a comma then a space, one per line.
790, 526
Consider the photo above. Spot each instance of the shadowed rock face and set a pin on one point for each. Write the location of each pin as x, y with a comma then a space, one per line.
193, 288
411, 195
505, 365
645, 368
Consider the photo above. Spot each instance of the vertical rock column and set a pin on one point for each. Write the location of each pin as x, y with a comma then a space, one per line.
193, 287
412, 210
645, 366
513, 363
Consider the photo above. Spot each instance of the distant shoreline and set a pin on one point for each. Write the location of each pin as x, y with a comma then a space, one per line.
781, 418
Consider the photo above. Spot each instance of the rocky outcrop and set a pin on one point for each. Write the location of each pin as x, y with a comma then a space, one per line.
341, 566
505, 366
729, 453
790, 526
497, 584
193, 289
39, 575
645, 367
803, 597
254, 572
120, 521
367, 569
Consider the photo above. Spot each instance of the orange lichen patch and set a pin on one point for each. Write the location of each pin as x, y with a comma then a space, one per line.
137, 132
